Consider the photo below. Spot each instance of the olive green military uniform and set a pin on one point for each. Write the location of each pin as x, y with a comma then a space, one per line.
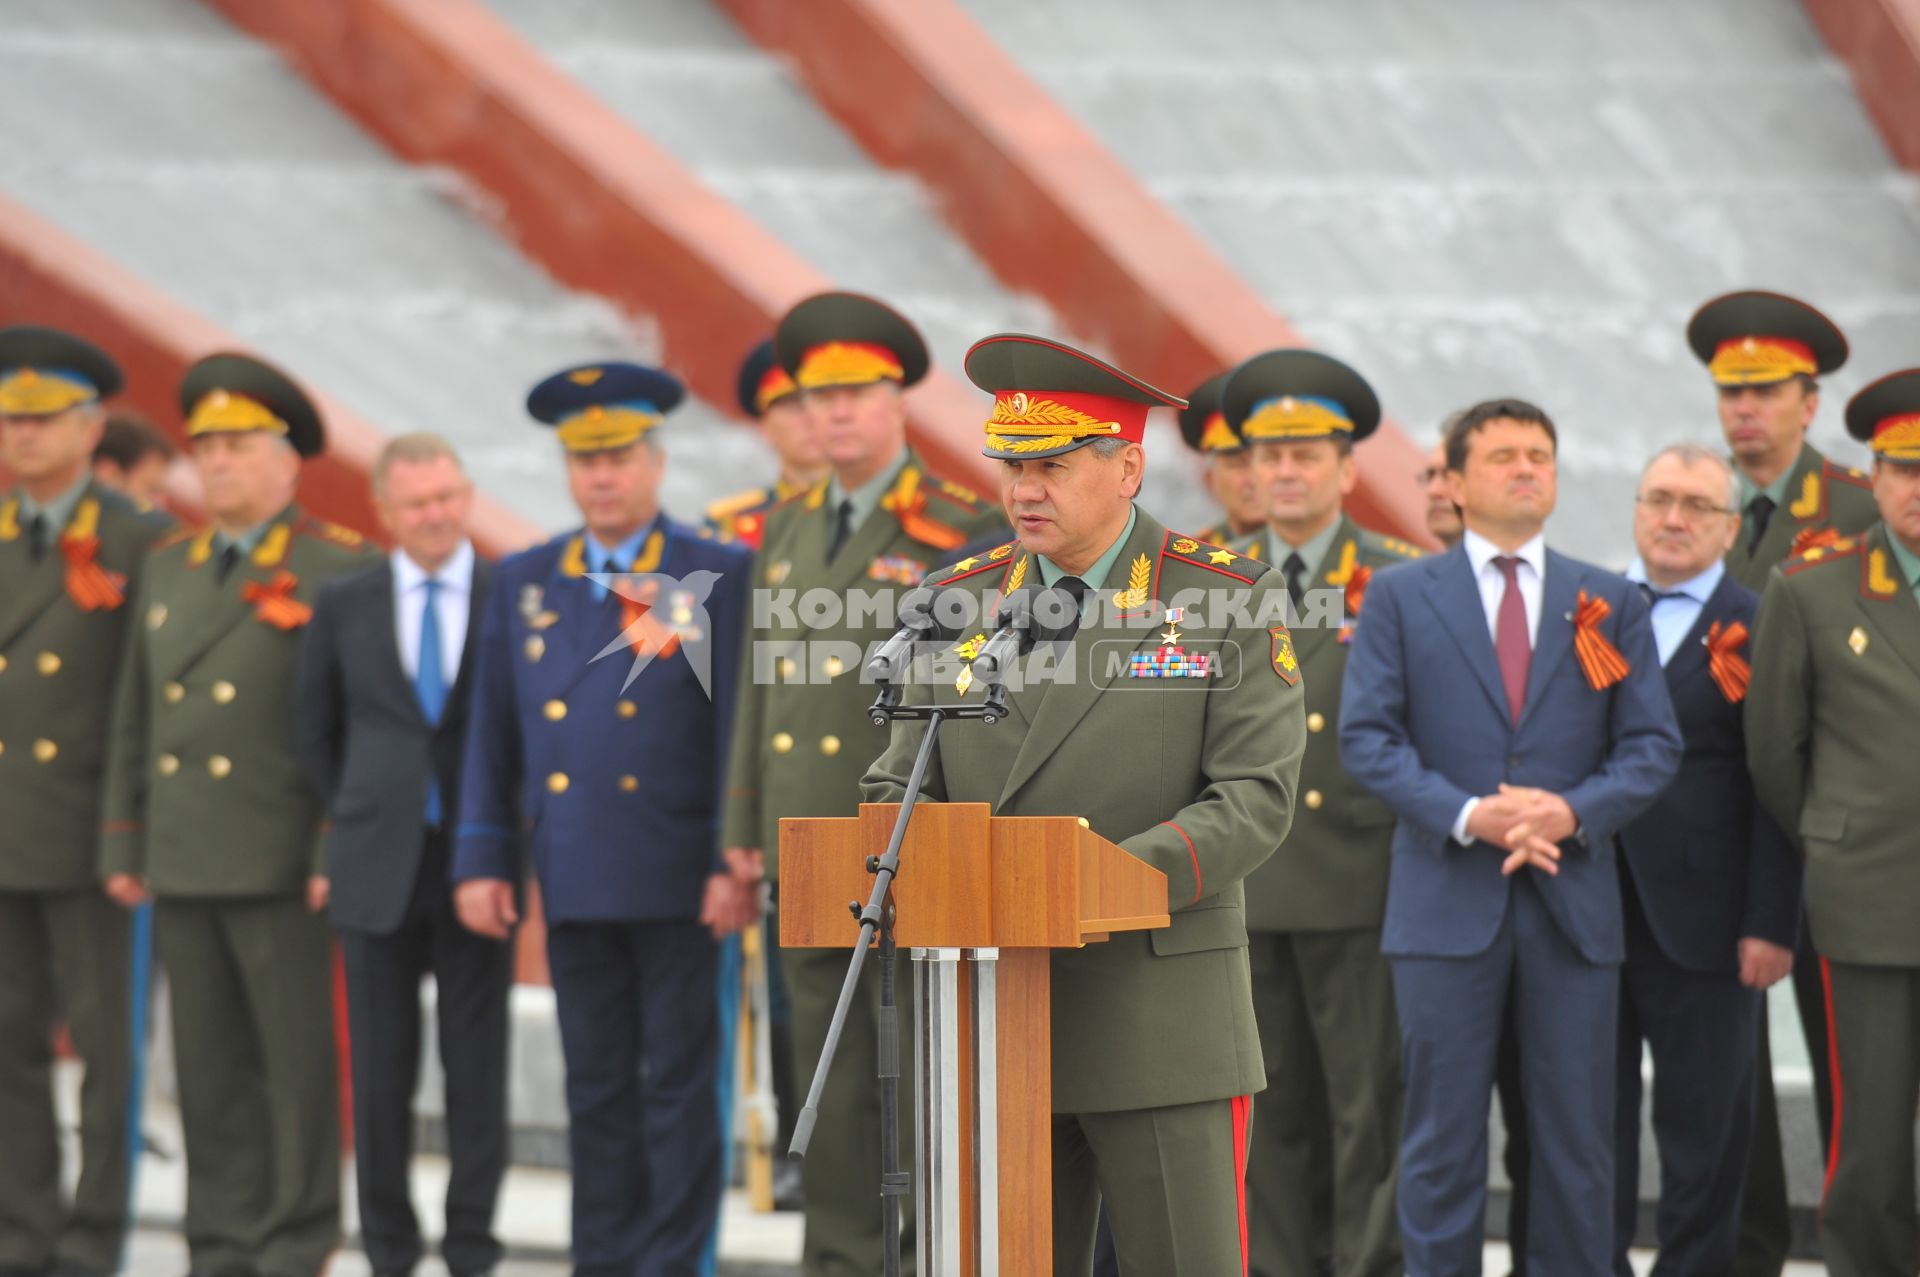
801, 742
64, 605
1813, 496
207, 801
1830, 721
1322, 992
1155, 1049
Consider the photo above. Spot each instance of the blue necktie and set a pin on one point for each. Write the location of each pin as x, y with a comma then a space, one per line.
430, 684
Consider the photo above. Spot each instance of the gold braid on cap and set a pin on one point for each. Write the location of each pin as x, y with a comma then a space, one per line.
223, 412
1042, 424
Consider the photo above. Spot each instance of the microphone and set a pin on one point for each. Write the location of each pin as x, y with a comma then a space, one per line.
890, 661
1023, 617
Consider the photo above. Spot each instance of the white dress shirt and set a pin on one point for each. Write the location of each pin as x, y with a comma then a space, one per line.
1677, 609
1531, 577
451, 604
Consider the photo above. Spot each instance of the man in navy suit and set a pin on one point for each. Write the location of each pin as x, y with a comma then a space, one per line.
381, 715
605, 681
1709, 884
1506, 701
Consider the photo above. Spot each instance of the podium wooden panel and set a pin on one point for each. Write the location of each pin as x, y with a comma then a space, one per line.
980, 901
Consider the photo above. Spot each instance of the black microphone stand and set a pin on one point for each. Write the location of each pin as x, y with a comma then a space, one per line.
878, 918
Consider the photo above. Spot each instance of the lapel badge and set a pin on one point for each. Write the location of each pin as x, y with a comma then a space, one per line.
1857, 641
536, 648
542, 619
156, 616
531, 596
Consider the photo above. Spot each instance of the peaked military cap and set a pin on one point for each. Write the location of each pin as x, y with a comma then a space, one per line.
1050, 398
44, 371
1202, 424
762, 382
1755, 339
1886, 417
600, 407
846, 339
230, 393
1285, 395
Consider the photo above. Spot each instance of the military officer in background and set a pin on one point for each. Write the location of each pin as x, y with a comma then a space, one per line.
71, 553
1830, 720
1764, 353
1230, 477
768, 396
208, 810
133, 458
1177, 732
1322, 992
603, 688
802, 739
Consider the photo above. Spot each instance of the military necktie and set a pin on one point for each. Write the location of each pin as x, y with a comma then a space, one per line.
1511, 642
1295, 571
842, 525
37, 535
1078, 589
223, 565
430, 684
1759, 510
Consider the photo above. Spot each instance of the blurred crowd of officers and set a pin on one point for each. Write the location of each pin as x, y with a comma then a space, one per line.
1476, 822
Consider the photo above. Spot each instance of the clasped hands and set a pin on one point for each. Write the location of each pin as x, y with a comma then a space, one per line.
1528, 824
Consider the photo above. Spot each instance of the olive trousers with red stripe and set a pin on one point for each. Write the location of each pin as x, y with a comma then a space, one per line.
1173, 1180
1868, 1224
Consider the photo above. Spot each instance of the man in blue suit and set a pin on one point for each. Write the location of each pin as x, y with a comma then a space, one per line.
1709, 884
603, 688
1506, 701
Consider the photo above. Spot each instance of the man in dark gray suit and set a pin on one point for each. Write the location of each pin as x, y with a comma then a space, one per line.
382, 721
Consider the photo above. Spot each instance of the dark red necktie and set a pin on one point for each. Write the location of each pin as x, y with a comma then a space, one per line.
1510, 641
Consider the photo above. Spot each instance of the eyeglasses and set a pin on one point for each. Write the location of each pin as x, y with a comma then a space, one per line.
1662, 503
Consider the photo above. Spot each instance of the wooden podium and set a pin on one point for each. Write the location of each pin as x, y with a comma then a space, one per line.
980, 899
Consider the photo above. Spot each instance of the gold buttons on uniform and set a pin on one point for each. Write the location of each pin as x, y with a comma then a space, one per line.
224, 692
219, 766
1314, 799
166, 764
48, 663
782, 742
833, 666
174, 692
627, 709
788, 667
629, 783
554, 710
829, 745
1316, 722
3, 665
45, 751
557, 783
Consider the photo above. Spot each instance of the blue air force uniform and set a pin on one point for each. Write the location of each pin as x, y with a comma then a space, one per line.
606, 770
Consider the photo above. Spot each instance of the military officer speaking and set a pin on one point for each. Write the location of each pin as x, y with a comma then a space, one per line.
1230, 476
1764, 352
802, 739
597, 733
1830, 719
769, 396
71, 552
1322, 992
208, 809
1177, 732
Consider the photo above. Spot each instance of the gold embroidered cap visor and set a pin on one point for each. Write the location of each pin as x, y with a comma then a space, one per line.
1886, 417
44, 372
1050, 398
1287, 395
603, 407
1756, 338
1203, 425
231, 393
847, 339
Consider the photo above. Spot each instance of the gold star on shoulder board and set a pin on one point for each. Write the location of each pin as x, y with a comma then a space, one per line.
965, 564
1222, 557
